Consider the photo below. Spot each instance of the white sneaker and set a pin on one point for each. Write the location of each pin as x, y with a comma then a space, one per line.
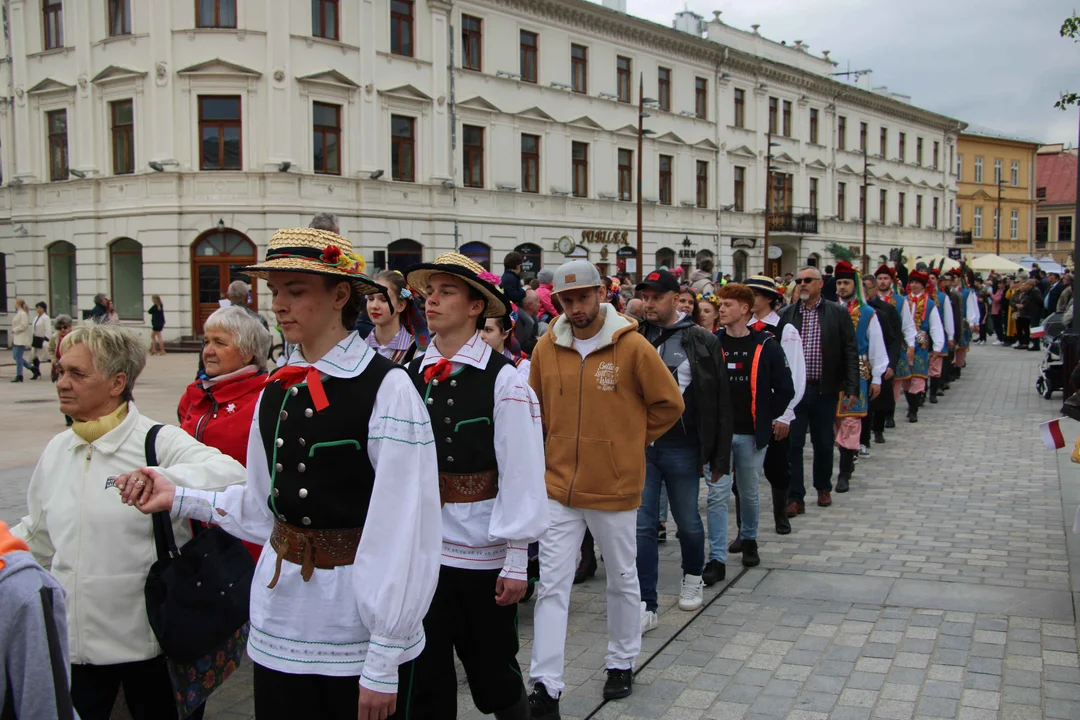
864, 451
649, 620
691, 596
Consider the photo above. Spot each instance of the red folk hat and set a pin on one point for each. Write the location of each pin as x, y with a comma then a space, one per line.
919, 277
885, 270
844, 271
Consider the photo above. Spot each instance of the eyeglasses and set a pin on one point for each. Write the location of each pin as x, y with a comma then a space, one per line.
804, 281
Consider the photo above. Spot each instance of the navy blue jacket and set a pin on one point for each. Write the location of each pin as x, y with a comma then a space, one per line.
771, 388
512, 288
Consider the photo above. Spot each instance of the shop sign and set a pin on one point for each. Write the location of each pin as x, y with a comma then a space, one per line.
743, 243
604, 236
687, 252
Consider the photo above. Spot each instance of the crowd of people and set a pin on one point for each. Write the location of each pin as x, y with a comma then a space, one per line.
442, 443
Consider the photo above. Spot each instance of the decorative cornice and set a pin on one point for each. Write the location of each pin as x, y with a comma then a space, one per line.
217, 66
116, 72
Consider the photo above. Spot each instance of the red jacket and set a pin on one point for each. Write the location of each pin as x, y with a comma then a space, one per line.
221, 417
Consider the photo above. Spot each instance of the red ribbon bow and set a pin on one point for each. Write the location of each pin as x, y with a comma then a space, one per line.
759, 325
295, 374
439, 371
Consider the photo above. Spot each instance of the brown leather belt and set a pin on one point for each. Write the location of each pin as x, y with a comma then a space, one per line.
468, 487
310, 549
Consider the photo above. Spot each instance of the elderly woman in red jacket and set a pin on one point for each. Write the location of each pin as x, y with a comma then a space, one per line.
217, 408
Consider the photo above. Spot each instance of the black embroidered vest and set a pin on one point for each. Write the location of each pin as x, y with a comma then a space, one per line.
320, 474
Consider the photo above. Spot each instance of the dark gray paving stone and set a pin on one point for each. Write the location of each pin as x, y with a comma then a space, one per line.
815, 702
978, 681
865, 681
937, 707
825, 586
939, 688
936, 595
824, 683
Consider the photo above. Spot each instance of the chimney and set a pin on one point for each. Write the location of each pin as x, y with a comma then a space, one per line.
688, 22
616, 5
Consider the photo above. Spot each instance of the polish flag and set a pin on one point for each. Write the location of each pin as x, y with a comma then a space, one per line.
1037, 332
1051, 435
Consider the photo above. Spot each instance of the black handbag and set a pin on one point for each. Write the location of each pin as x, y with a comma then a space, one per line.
38, 342
197, 597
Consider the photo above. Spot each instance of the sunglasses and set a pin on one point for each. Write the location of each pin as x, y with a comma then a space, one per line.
804, 281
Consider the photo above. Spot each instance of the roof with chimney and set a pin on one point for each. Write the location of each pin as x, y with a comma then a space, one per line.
1055, 172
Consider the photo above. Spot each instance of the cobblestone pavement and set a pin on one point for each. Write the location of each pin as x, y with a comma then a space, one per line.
939, 587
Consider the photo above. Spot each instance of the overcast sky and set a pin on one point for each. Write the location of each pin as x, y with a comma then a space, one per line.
995, 63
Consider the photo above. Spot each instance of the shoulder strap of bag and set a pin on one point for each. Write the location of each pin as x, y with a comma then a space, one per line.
164, 540
62, 695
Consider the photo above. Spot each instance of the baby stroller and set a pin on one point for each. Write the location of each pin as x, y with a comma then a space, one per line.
1051, 370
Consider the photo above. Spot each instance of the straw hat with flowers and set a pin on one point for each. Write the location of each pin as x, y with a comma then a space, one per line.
471, 272
318, 252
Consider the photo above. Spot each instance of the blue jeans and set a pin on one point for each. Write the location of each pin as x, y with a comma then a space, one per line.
17, 352
817, 413
746, 462
677, 466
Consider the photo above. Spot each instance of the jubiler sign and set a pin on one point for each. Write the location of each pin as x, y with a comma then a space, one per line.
604, 236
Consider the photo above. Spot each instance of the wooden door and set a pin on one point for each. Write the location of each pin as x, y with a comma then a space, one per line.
216, 257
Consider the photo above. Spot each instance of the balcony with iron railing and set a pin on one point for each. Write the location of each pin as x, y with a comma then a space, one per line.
798, 221
964, 237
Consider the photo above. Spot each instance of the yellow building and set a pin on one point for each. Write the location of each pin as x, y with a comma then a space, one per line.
994, 171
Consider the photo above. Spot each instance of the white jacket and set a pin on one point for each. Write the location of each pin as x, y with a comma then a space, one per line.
20, 329
42, 326
99, 549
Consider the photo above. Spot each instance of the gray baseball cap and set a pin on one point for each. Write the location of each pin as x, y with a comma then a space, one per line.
575, 275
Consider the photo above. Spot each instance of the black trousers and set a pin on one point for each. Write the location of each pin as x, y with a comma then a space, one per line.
147, 690
464, 617
881, 408
284, 696
815, 413
1023, 331
1000, 326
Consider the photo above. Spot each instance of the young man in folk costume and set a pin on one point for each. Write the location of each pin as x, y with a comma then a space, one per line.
873, 362
940, 360
923, 333
967, 300
892, 332
891, 291
490, 449
341, 490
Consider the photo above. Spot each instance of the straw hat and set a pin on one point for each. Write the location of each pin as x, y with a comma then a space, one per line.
458, 265
318, 252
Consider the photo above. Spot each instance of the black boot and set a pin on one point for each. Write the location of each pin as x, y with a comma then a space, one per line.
890, 422
586, 568
879, 438
36, 369
847, 466
543, 706
934, 386
912, 406
517, 711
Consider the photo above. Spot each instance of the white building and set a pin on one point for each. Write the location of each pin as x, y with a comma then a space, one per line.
149, 148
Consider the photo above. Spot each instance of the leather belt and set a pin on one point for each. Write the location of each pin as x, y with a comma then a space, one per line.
310, 549
468, 487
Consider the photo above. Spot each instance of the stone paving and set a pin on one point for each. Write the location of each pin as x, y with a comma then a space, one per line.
939, 587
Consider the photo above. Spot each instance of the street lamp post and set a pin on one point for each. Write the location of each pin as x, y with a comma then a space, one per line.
997, 218
640, 144
768, 193
865, 208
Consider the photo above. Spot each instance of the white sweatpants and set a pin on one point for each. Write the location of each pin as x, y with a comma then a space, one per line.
616, 536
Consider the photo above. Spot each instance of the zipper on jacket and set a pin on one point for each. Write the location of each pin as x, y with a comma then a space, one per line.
200, 426
577, 448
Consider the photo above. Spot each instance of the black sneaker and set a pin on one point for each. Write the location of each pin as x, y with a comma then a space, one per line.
736, 546
661, 533
542, 706
620, 683
585, 569
715, 571
749, 554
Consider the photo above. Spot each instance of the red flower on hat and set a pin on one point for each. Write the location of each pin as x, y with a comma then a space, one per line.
331, 255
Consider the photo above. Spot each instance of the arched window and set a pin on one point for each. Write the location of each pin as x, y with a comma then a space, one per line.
740, 259
216, 259
532, 259
63, 295
814, 260
665, 257
404, 253
478, 252
126, 278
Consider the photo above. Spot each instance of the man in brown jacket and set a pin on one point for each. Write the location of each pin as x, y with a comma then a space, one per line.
605, 394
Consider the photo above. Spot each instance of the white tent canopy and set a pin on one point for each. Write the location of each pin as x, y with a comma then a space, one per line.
1045, 264
995, 263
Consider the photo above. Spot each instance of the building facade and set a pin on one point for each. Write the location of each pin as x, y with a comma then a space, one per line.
995, 207
153, 148
1055, 193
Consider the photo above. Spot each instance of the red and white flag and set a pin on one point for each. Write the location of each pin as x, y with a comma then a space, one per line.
1051, 435
1037, 332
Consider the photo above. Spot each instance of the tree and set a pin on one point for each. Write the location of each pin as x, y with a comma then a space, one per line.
1069, 29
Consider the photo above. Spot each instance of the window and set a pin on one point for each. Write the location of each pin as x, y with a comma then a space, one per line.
997, 223
934, 213
215, 13
663, 88
326, 138
478, 252
774, 105
1015, 174
530, 163
324, 19
119, 17
959, 167
882, 205
579, 68
978, 169
403, 148
977, 227
862, 137
702, 190
782, 191
959, 218
918, 211
918, 151
665, 179
401, 27
63, 297
58, 144
740, 108
903, 147
622, 78
997, 171
126, 278
122, 121
580, 161
219, 132
472, 33
626, 174
404, 253
1064, 228
884, 149
813, 125
901, 197
701, 98
951, 161
1042, 232
813, 195
473, 144
787, 118
53, 23
937, 147
529, 49
1014, 225
1040, 193
740, 189
3, 283
841, 201
841, 133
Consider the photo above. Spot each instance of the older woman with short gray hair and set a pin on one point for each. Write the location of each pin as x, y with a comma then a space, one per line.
77, 528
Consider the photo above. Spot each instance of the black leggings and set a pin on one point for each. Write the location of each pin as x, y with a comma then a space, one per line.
147, 690
1023, 331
